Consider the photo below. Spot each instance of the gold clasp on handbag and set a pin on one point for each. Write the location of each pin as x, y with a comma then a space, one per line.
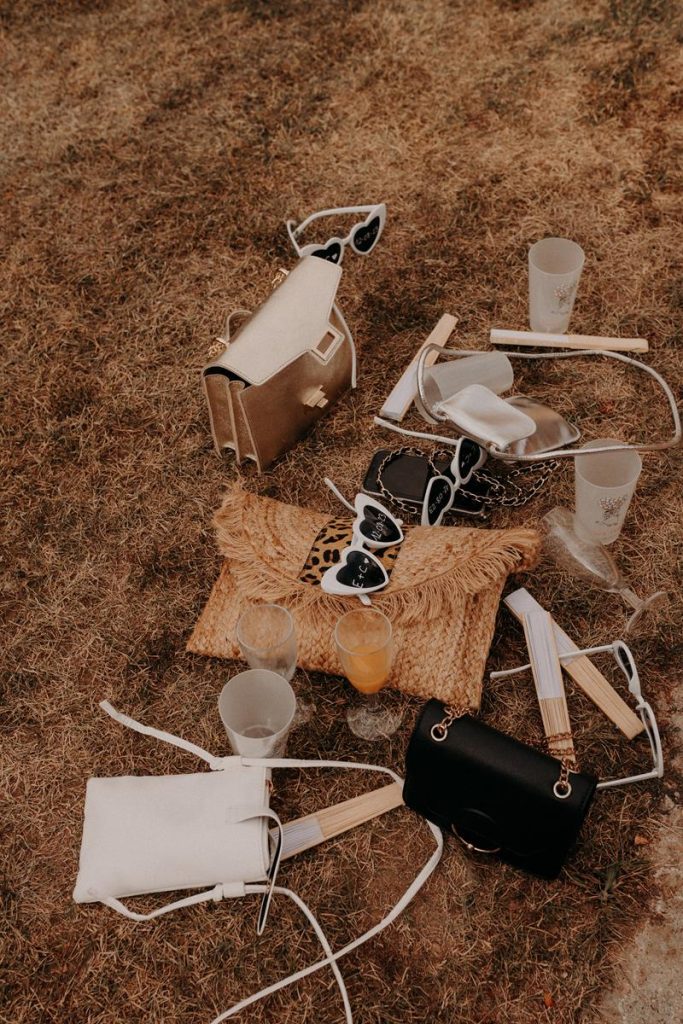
315, 398
439, 731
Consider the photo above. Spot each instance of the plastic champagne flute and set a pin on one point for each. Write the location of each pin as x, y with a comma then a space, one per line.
363, 638
266, 635
591, 561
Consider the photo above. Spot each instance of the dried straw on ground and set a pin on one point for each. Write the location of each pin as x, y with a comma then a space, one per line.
152, 152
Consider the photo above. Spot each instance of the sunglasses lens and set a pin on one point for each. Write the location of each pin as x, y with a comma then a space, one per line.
332, 252
365, 236
378, 526
438, 498
360, 571
469, 455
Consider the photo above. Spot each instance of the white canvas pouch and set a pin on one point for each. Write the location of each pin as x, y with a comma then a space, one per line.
157, 834
161, 833
151, 834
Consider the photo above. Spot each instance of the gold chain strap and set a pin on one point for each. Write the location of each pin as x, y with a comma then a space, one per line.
561, 789
439, 731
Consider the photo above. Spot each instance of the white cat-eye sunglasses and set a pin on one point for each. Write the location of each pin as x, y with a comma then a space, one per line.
624, 659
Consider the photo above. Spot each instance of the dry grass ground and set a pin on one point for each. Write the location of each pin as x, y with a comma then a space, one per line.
151, 152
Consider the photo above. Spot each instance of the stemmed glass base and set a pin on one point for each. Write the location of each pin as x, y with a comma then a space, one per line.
658, 600
370, 719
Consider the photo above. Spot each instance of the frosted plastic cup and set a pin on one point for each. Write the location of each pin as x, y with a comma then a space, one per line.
605, 485
555, 266
257, 709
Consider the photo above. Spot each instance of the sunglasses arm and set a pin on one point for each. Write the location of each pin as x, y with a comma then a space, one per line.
293, 232
452, 442
504, 673
338, 494
335, 211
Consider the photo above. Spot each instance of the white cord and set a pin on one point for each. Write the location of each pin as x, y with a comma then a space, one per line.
559, 452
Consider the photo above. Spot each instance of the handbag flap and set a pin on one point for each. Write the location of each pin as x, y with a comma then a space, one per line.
267, 543
294, 319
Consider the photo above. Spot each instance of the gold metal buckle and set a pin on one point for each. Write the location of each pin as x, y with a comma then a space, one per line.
471, 847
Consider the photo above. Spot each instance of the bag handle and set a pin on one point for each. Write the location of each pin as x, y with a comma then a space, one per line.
556, 453
226, 336
222, 891
332, 958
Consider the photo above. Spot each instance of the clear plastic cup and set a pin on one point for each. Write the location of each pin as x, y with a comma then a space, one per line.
265, 633
257, 708
605, 485
555, 266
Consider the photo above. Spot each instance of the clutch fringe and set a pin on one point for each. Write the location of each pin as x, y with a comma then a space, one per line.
455, 570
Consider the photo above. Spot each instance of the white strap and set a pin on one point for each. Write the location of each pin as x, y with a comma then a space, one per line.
332, 958
351, 343
227, 333
226, 891
293, 762
166, 737
231, 890
323, 942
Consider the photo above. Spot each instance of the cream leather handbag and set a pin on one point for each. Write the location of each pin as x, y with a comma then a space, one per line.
284, 368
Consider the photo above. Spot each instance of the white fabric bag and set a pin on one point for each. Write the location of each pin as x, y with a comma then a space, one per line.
156, 834
150, 834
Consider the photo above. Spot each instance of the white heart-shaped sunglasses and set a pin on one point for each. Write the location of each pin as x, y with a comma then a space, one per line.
359, 573
441, 490
362, 238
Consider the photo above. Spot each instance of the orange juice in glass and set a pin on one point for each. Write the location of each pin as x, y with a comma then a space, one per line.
363, 638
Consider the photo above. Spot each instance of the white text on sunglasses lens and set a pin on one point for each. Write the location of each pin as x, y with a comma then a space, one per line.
357, 573
374, 524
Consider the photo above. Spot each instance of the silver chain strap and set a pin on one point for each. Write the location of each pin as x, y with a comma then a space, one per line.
404, 506
505, 493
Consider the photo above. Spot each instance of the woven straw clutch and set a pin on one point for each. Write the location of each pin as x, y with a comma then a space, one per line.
442, 596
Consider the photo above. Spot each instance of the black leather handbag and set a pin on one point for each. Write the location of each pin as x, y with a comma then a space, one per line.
497, 795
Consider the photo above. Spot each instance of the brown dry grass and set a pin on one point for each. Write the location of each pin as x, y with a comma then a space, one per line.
151, 153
